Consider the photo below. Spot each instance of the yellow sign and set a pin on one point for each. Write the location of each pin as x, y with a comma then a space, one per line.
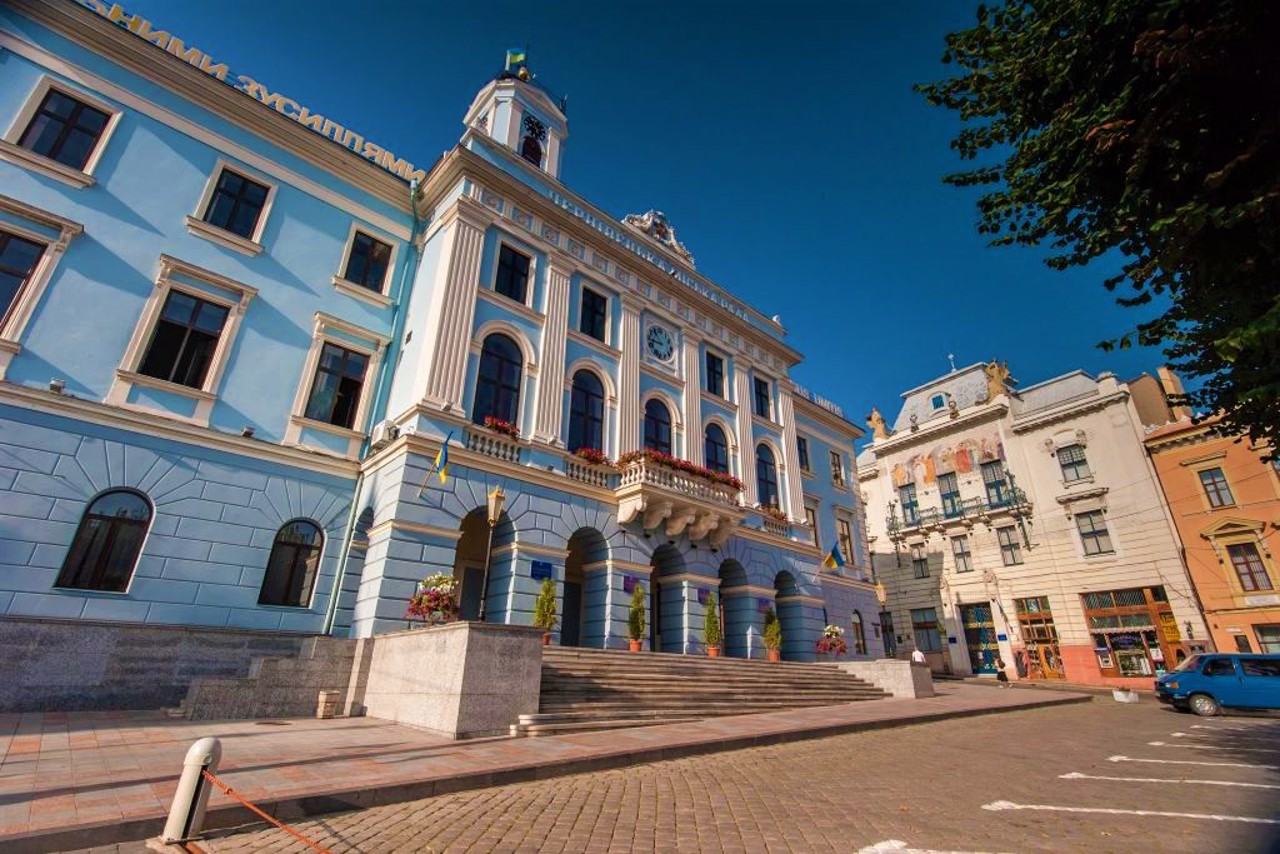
326, 127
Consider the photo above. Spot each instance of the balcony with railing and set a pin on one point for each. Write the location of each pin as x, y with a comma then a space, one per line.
492, 444
678, 501
1010, 501
592, 474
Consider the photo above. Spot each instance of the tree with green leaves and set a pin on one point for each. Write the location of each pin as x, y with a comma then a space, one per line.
711, 622
1143, 134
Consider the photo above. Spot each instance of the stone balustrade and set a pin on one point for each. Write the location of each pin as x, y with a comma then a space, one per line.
496, 445
592, 475
645, 473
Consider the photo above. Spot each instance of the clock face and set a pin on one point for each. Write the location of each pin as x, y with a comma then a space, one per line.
661, 346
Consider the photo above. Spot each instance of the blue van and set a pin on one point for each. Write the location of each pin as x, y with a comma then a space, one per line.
1208, 683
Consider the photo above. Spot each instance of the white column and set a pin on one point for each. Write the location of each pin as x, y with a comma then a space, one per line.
554, 333
746, 435
453, 311
692, 399
629, 378
787, 417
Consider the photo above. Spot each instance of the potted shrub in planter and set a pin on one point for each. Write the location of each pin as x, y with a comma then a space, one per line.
832, 642
773, 635
544, 610
711, 627
635, 619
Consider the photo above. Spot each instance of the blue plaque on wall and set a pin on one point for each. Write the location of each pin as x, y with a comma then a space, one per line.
764, 604
542, 569
629, 583
951, 639
1002, 637
704, 596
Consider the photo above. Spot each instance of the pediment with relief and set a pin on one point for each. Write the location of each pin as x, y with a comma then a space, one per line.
1232, 526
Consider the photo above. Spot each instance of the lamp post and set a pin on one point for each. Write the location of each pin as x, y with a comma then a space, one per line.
496, 499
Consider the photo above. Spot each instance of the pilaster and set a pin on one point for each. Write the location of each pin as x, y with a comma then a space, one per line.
629, 379
453, 312
795, 488
693, 450
746, 433
554, 333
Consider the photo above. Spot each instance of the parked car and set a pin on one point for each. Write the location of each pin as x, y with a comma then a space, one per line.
1207, 684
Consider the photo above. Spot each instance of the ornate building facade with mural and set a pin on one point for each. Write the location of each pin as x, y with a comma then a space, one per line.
1026, 525
238, 335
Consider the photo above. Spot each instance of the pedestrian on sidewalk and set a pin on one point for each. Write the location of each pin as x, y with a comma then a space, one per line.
917, 657
1001, 676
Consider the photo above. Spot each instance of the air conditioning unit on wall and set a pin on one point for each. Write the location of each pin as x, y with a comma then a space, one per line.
383, 434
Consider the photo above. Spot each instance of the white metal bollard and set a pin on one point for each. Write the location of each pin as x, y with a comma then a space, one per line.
189, 802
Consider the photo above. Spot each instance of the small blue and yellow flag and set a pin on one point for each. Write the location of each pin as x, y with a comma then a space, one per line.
833, 560
515, 56
442, 459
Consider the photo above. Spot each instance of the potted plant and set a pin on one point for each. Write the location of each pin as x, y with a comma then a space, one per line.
544, 610
772, 635
434, 602
506, 428
635, 618
832, 642
711, 627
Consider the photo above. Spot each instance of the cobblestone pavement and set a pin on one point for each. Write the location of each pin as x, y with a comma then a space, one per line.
929, 786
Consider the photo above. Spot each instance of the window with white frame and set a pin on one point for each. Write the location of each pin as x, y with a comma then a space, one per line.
1093, 533
60, 132
802, 452
512, 276
837, 468
960, 551
1010, 547
333, 391
1074, 465
811, 517
234, 208
1250, 570
919, 562
18, 259
366, 267
1216, 488
336, 388
28, 256
593, 315
844, 532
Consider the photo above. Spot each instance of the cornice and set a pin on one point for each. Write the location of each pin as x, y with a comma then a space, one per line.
141, 57
155, 425
1181, 439
1068, 410
928, 432
830, 419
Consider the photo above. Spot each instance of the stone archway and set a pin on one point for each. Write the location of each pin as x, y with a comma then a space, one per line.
790, 611
736, 606
473, 561
666, 604
583, 612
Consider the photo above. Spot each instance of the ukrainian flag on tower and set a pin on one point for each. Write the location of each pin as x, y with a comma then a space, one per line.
515, 56
833, 560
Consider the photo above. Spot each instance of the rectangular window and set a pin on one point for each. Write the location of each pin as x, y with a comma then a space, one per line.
715, 374
64, 130
513, 274
1093, 533
1074, 465
924, 625
837, 468
811, 516
846, 539
184, 340
1249, 567
18, 259
910, 508
1268, 638
762, 397
919, 562
949, 489
594, 315
367, 264
960, 551
802, 451
236, 204
993, 478
335, 391
1216, 488
1010, 548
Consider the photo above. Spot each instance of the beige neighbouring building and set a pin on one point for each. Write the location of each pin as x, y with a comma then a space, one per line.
1027, 525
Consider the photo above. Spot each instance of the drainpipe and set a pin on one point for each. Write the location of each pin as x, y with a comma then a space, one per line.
399, 313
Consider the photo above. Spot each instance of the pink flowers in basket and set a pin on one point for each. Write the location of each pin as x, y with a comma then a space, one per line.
832, 641
434, 603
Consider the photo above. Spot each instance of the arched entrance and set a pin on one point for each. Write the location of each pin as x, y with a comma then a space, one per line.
790, 611
469, 562
735, 606
666, 611
577, 628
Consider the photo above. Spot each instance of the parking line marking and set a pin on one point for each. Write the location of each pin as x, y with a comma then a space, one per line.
897, 846
1191, 762
1207, 735
996, 806
1214, 747
1076, 775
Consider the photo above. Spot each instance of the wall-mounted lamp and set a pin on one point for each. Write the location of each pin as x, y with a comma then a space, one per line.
57, 386
1191, 635
247, 432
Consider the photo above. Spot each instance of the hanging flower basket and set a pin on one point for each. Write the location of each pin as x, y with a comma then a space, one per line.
506, 428
676, 464
832, 642
434, 603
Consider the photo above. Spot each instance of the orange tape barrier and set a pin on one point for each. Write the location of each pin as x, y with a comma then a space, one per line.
231, 793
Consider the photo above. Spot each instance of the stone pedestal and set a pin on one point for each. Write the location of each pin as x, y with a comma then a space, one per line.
899, 678
460, 680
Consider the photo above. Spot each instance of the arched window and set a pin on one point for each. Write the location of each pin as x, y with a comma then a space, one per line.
291, 569
716, 449
498, 382
657, 426
766, 476
586, 412
859, 637
107, 543
531, 150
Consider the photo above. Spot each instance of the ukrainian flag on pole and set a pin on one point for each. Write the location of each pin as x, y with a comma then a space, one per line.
442, 459
833, 560
515, 56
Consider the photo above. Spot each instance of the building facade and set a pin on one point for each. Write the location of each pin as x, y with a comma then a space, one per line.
1026, 525
1225, 499
237, 336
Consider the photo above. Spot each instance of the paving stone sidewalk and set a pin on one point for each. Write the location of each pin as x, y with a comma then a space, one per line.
81, 779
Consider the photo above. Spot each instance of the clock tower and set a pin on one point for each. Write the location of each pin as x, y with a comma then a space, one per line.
519, 113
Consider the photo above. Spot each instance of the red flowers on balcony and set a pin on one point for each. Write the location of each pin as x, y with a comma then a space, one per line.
592, 455
506, 428
668, 461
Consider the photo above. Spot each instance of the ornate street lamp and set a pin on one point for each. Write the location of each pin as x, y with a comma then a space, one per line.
497, 498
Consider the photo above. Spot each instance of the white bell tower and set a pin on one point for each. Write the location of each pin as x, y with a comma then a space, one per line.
520, 114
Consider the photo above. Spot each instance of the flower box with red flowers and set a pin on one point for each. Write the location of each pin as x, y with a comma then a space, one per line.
506, 428
677, 464
593, 456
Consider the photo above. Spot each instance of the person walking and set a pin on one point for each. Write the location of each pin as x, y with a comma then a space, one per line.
1001, 676
917, 657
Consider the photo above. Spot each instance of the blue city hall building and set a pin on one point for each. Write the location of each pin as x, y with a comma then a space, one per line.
240, 342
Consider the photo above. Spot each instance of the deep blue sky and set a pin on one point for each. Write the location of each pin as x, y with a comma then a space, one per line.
782, 140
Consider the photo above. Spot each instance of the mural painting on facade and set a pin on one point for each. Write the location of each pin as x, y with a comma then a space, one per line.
962, 458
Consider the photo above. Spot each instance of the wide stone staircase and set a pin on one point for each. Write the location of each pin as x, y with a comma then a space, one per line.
587, 689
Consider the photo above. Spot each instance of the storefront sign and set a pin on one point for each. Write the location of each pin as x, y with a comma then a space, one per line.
144, 29
541, 569
1002, 637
